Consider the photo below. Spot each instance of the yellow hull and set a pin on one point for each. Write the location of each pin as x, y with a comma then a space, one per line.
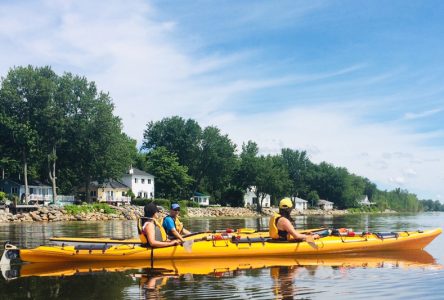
227, 248
405, 259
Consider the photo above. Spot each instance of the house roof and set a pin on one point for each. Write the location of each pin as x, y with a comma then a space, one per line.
197, 194
111, 184
320, 202
299, 200
31, 183
139, 172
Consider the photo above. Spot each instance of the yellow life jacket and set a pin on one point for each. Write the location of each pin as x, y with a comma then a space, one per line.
160, 234
177, 223
275, 233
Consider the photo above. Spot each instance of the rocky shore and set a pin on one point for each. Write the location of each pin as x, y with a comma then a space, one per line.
131, 212
56, 214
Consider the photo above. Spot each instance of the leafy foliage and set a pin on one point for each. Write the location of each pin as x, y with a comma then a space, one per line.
172, 180
88, 208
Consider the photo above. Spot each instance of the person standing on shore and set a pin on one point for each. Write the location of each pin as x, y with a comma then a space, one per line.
172, 225
281, 227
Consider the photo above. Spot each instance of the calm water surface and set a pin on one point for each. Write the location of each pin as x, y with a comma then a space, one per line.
369, 278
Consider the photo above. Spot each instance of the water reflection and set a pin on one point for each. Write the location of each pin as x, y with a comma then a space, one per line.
384, 274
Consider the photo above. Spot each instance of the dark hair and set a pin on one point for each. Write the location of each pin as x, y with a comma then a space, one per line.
286, 213
150, 209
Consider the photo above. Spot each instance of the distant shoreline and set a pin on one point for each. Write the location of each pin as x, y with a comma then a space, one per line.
132, 212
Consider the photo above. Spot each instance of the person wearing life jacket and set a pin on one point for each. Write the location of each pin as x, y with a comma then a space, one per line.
172, 225
151, 232
281, 227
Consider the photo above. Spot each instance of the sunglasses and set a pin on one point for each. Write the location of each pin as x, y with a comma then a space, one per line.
177, 209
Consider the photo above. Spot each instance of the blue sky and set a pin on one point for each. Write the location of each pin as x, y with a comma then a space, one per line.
357, 84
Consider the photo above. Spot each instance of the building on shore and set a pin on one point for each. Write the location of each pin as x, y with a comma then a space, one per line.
325, 205
140, 182
299, 204
251, 199
110, 191
38, 192
364, 201
201, 199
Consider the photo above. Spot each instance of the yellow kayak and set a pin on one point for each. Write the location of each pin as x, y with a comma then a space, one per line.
220, 246
403, 259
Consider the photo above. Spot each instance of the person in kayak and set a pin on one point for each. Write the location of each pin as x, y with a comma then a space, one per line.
281, 227
151, 232
172, 225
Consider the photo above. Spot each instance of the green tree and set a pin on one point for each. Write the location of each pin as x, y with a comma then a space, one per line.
216, 163
172, 180
97, 148
248, 167
21, 95
297, 165
179, 136
313, 198
272, 179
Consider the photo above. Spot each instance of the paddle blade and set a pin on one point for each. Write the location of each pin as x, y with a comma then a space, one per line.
188, 245
311, 241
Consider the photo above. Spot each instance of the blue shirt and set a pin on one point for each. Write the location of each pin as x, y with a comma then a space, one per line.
168, 224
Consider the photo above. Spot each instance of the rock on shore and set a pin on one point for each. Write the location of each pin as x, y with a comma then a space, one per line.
131, 212
56, 214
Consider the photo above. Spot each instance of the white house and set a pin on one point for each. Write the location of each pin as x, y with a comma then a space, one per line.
364, 201
251, 199
325, 205
299, 204
201, 199
38, 192
141, 183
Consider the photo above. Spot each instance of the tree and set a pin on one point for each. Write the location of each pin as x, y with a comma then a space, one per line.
313, 197
329, 182
97, 148
297, 164
21, 94
216, 163
271, 178
172, 180
247, 169
179, 136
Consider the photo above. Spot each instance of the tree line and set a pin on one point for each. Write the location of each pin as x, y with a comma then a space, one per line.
61, 129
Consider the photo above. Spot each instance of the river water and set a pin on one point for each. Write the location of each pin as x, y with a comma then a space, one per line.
379, 276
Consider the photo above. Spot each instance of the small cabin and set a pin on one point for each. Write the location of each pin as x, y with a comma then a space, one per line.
201, 199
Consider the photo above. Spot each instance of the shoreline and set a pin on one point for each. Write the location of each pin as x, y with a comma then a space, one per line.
132, 212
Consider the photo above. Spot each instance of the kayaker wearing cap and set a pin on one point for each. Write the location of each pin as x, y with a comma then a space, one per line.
281, 227
172, 225
152, 233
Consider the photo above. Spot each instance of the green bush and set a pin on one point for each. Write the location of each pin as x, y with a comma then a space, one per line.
87, 208
2, 196
190, 203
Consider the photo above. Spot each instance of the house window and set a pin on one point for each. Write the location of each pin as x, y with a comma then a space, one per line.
14, 190
151, 194
143, 180
149, 181
139, 194
135, 180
